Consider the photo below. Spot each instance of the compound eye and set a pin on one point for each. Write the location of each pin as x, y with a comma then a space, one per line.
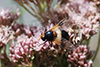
49, 36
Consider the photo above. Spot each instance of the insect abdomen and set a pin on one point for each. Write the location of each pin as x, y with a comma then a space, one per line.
65, 35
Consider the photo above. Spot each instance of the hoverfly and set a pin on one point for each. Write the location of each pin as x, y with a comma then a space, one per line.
58, 36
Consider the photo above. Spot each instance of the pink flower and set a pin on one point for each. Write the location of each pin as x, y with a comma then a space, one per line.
7, 17
6, 35
21, 29
83, 19
21, 50
25, 47
80, 56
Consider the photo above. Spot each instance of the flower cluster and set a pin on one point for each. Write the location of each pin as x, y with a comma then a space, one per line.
8, 63
28, 49
21, 51
87, 22
25, 47
6, 35
83, 19
80, 57
21, 29
7, 17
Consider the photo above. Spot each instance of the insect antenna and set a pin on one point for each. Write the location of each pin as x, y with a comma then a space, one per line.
43, 43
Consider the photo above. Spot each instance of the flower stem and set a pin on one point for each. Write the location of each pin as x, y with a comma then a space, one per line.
59, 60
40, 11
33, 65
88, 40
27, 9
97, 47
0, 63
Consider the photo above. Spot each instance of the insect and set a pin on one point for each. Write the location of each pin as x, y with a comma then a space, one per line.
57, 35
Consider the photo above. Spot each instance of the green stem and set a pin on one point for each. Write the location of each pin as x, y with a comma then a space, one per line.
33, 65
40, 11
59, 60
27, 9
49, 5
0, 62
97, 47
34, 3
0, 59
87, 41
29, 5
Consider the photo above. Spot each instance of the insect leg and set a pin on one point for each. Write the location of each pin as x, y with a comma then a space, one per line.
51, 43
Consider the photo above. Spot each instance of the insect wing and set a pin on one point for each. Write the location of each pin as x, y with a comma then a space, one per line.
67, 45
59, 24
